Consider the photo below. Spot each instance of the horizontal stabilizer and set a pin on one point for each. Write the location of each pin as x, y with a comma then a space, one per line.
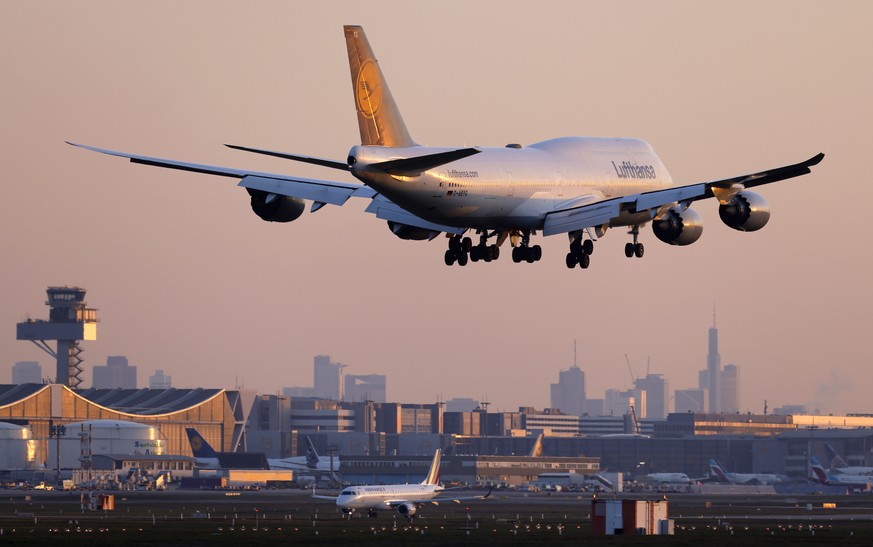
412, 167
305, 159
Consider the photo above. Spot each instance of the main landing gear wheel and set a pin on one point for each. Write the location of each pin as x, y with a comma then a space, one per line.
456, 251
525, 252
580, 253
636, 248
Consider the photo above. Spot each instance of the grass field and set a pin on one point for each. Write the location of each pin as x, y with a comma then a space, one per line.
290, 517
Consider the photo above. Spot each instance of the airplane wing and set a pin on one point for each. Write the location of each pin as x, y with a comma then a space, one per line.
592, 212
320, 192
437, 500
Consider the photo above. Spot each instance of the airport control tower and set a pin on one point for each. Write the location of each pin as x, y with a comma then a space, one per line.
69, 322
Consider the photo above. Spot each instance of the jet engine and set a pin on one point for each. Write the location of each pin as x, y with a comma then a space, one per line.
405, 231
276, 208
406, 509
678, 227
746, 212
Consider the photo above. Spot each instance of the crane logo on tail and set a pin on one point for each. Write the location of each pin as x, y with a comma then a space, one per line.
368, 89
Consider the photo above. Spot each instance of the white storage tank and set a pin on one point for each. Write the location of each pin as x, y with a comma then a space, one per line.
17, 447
104, 437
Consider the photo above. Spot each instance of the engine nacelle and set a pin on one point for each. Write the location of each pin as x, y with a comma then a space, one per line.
275, 208
678, 227
746, 212
406, 509
405, 231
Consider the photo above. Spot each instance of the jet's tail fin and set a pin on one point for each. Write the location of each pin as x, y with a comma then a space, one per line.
537, 449
199, 447
818, 471
311, 454
433, 476
379, 119
718, 471
836, 460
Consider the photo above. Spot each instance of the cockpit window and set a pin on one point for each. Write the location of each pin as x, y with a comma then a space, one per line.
348, 493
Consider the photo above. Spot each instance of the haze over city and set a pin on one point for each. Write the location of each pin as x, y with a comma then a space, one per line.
187, 279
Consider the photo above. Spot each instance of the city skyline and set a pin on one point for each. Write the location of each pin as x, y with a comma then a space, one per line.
187, 279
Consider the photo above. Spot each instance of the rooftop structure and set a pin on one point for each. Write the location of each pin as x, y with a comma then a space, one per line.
70, 321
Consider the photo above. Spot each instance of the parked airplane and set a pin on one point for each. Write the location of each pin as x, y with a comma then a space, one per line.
669, 478
720, 475
206, 456
579, 186
839, 465
821, 476
404, 498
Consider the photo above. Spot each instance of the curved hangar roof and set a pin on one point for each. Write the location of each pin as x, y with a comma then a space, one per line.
142, 402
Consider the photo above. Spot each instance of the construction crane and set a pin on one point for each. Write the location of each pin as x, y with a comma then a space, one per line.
631, 371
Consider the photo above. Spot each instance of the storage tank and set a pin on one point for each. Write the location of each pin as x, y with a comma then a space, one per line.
105, 437
17, 447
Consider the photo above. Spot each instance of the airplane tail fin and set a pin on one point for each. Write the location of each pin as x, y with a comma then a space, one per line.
379, 119
433, 476
818, 471
199, 447
716, 469
311, 454
836, 460
537, 449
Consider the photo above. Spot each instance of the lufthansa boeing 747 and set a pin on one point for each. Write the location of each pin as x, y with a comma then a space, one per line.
579, 186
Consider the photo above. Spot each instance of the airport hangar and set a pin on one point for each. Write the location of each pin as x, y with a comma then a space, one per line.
218, 415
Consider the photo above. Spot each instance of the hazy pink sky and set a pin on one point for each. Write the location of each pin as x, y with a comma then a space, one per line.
189, 280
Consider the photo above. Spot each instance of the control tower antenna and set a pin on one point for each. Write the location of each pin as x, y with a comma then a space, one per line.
70, 321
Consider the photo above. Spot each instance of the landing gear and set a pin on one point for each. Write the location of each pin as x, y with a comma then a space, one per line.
636, 248
461, 250
371, 513
580, 253
524, 252
458, 251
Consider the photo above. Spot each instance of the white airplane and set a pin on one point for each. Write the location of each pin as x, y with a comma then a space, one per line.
821, 476
579, 186
720, 475
669, 478
839, 465
404, 498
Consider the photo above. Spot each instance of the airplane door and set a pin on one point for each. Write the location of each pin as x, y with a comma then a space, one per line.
440, 184
510, 184
559, 184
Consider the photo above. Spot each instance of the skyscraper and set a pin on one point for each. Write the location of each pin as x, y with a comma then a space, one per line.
730, 388
713, 369
26, 372
364, 387
657, 398
159, 380
569, 393
116, 374
328, 378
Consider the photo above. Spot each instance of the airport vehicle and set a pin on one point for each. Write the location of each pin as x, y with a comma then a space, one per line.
206, 456
839, 466
821, 476
403, 498
718, 473
579, 186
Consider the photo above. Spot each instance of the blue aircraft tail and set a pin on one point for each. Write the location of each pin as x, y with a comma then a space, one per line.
311, 454
199, 447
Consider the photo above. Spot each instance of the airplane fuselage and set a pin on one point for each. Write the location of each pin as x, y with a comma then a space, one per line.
379, 497
515, 187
